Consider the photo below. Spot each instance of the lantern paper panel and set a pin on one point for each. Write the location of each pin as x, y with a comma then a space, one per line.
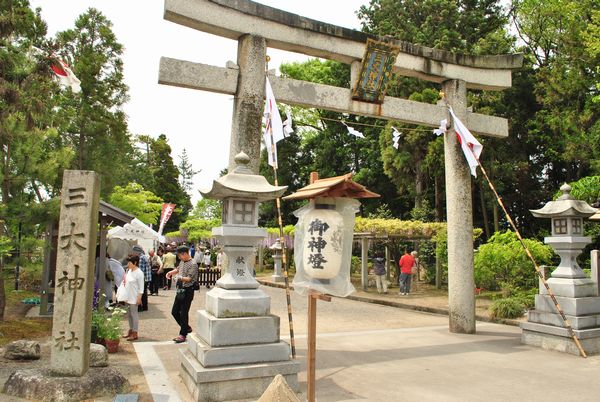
323, 246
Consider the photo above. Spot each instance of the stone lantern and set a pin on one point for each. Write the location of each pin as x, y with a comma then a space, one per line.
566, 215
575, 292
276, 248
235, 350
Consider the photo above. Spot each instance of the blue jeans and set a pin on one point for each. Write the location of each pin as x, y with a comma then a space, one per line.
405, 283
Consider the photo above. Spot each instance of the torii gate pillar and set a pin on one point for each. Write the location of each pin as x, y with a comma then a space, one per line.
249, 101
461, 296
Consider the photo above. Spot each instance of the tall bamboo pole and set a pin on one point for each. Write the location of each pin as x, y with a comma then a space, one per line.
288, 297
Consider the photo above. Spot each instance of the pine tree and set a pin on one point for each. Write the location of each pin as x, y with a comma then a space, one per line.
186, 172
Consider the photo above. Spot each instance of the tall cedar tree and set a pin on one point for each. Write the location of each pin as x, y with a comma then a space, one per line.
93, 121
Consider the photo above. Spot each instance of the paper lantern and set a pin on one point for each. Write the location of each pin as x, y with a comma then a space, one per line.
322, 252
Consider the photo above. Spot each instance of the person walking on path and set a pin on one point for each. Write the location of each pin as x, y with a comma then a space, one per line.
134, 288
406, 263
187, 272
379, 270
145, 268
168, 260
155, 267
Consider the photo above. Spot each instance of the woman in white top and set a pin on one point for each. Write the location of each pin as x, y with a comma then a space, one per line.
207, 259
134, 286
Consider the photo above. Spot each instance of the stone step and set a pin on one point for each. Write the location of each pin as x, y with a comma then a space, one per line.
228, 303
237, 331
238, 354
235, 382
553, 318
571, 287
561, 331
572, 306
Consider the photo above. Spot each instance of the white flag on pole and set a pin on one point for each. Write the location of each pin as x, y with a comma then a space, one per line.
273, 125
396, 137
442, 128
469, 144
287, 124
353, 131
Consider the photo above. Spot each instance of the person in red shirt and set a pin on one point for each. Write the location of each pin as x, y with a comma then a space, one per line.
406, 263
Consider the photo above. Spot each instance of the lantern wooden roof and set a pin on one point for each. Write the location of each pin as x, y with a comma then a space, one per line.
339, 186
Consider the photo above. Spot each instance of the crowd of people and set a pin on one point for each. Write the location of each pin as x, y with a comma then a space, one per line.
141, 275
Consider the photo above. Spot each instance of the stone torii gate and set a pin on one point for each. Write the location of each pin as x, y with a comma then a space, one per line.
256, 27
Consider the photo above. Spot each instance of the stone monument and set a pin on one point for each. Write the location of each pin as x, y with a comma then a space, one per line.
575, 292
69, 376
75, 261
236, 351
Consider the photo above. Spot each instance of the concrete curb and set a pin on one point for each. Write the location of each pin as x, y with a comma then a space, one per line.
390, 303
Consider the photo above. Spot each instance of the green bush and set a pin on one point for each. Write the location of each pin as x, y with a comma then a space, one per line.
510, 307
355, 265
502, 260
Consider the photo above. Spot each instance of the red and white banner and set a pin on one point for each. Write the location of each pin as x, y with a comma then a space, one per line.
167, 210
469, 144
65, 76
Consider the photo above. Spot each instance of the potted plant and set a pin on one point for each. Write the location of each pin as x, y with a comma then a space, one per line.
97, 317
109, 328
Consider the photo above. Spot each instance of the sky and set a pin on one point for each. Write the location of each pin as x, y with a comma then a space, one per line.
197, 121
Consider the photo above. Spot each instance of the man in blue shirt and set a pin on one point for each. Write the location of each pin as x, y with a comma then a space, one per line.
145, 268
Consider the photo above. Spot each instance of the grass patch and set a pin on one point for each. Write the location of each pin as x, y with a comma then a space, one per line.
28, 328
15, 326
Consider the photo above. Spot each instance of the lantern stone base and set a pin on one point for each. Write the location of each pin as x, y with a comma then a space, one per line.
558, 339
234, 382
575, 306
237, 331
571, 287
235, 358
241, 354
227, 303
545, 327
551, 318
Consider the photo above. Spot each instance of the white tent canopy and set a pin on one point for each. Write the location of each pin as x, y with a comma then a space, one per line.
137, 231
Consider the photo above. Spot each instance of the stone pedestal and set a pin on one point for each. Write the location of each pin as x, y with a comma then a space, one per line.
579, 300
231, 358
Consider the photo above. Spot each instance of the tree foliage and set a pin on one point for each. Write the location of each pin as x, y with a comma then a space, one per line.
141, 203
502, 260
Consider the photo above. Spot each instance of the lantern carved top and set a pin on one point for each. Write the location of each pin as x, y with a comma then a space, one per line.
564, 206
242, 183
